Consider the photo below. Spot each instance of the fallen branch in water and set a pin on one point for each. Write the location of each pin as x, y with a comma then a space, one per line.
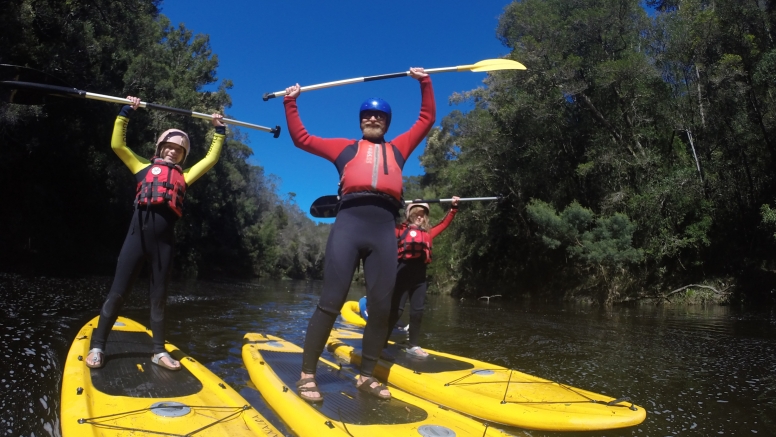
665, 296
717, 292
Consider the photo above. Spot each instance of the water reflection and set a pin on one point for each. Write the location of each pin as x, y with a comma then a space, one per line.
697, 370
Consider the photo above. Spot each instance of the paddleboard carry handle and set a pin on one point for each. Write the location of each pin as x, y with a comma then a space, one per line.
621, 400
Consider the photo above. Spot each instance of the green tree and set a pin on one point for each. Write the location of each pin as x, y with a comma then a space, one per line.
597, 247
72, 208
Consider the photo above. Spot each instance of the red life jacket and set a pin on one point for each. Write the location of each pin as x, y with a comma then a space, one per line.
163, 183
374, 168
414, 243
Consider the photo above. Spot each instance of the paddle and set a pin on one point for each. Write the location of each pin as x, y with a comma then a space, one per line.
486, 65
35, 93
327, 206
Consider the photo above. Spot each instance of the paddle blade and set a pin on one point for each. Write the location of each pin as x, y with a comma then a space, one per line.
493, 65
325, 207
20, 95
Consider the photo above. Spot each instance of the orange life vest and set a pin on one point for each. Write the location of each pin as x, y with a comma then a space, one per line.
163, 184
414, 243
373, 168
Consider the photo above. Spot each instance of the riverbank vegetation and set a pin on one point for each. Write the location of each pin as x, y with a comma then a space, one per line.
635, 156
69, 198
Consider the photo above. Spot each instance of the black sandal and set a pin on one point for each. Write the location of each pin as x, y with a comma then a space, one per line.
367, 388
302, 390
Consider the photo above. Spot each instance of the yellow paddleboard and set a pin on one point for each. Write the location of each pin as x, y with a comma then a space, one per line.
275, 365
130, 396
492, 392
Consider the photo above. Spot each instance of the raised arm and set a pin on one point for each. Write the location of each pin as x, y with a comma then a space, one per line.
326, 148
196, 171
408, 141
118, 141
441, 226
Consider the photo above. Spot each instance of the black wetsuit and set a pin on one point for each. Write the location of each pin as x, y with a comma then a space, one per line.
363, 230
411, 283
151, 237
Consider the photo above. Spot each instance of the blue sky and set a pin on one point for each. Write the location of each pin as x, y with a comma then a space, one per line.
265, 46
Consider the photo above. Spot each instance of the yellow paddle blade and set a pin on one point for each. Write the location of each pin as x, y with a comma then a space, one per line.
492, 65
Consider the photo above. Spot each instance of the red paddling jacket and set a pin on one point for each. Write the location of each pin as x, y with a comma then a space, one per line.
415, 242
365, 167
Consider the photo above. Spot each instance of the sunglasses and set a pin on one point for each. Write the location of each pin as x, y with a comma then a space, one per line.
366, 115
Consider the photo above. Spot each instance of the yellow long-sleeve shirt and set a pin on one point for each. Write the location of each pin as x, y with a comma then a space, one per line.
136, 163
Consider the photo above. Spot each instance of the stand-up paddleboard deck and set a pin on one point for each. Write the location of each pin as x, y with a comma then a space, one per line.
275, 365
491, 392
130, 396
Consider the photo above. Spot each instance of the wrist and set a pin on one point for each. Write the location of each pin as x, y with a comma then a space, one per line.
126, 111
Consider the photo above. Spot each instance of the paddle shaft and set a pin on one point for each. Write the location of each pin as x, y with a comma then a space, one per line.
462, 199
268, 96
326, 206
74, 92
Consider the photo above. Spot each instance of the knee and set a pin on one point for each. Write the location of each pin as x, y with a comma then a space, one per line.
328, 311
380, 315
112, 304
157, 309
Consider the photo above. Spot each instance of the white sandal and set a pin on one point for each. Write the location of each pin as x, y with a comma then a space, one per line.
157, 359
99, 362
417, 351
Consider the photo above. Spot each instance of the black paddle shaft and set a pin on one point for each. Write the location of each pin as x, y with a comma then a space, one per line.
327, 206
30, 93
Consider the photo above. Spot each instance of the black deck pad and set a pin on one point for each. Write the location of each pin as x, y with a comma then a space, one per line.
128, 370
342, 401
431, 364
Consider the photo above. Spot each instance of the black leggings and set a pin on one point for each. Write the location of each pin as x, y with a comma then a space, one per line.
364, 229
153, 244
410, 284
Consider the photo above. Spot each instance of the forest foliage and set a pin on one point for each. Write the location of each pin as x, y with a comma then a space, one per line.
635, 155
70, 198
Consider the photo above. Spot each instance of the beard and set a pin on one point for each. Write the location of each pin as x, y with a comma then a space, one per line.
373, 132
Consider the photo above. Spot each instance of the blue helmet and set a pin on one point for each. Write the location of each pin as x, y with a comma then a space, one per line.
376, 104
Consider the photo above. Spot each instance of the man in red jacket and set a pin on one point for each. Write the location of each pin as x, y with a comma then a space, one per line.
370, 197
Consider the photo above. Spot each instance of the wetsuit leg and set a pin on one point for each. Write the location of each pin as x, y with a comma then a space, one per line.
400, 296
364, 231
380, 274
159, 246
339, 265
417, 301
128, 267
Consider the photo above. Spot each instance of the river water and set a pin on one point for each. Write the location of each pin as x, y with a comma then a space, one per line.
698, 370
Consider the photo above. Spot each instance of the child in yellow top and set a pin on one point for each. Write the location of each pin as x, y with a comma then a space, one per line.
161, 189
